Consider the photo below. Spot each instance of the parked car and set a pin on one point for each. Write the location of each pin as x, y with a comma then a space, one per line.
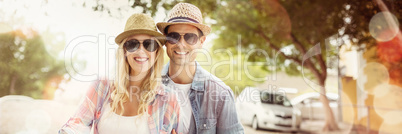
311, 107
267, 109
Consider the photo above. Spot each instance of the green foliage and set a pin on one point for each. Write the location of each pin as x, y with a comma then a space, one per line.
26, 65
234, 70
276, 21
288, 23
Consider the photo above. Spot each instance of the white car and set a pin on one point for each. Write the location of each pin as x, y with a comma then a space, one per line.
267, 109
311, 107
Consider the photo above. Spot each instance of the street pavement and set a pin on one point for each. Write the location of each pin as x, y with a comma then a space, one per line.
249, 130
24, 115
307, 127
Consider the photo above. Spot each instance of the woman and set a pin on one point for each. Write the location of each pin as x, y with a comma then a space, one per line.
136, 101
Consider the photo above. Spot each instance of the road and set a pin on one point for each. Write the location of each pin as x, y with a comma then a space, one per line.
249, 130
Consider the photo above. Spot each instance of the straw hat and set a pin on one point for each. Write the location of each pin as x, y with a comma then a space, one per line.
139, 24
185, 13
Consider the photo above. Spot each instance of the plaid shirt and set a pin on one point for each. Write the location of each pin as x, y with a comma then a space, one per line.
163, 111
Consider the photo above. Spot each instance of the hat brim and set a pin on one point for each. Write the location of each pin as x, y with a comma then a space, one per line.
129, 33
204, 28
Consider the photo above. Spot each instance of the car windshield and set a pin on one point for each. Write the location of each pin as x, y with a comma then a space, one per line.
277, 99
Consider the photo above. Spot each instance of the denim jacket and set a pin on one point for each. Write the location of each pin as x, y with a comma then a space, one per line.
212, 103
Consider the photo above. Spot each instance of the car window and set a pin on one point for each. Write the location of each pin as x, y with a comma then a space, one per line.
277, 99
282, 100
266, 98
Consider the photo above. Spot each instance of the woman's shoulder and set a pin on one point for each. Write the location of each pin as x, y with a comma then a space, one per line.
101, 86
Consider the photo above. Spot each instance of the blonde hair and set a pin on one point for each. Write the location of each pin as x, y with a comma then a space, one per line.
148, 87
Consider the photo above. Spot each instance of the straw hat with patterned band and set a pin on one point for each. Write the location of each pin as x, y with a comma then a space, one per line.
185, 13
140, 24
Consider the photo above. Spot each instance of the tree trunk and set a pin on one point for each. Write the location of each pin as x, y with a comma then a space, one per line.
12, 85
330, 122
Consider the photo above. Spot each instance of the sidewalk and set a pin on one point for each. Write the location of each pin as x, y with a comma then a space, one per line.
316, 126
24, 115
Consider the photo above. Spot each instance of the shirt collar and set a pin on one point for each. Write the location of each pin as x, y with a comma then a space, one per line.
198, 80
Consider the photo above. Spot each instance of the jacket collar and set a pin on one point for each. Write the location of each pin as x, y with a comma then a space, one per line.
198, 80
161, 90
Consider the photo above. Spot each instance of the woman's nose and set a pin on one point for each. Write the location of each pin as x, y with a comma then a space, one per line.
141, 48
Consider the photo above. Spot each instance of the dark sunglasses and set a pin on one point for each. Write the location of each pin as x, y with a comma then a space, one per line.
149, 44
174, 37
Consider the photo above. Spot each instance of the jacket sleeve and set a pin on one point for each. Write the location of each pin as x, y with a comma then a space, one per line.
228, 122
82, 121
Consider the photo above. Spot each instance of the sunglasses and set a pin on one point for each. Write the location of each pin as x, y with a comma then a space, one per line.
174, 37
149, 44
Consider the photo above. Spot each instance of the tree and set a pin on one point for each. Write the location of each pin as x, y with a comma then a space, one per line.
26, 65
270, 25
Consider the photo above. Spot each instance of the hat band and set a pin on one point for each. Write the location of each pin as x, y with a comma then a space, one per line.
182, 19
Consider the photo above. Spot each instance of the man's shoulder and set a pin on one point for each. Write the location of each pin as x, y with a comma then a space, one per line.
214, 83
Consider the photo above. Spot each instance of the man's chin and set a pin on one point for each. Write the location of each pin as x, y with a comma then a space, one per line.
180, 62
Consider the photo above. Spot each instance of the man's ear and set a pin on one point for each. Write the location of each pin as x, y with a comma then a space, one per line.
202, 39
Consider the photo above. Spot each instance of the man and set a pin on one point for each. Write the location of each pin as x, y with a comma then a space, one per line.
207, 104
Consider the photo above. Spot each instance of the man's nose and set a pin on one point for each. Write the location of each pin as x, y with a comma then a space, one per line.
182, 41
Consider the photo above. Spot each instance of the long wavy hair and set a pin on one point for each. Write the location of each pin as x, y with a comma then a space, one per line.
147, 89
